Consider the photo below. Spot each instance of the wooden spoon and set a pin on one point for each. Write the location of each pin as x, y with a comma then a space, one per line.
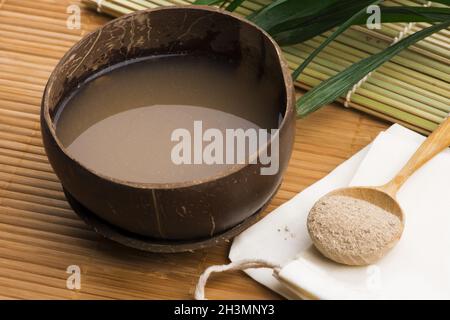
384, 197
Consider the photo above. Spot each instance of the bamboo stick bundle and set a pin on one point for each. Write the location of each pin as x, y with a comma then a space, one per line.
412, 89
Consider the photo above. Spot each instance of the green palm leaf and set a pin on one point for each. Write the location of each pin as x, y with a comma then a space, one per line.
333, 36
334, 87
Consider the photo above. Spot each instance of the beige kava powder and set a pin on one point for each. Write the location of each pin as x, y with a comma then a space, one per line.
351, 227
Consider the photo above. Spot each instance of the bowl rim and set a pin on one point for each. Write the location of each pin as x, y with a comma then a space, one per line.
288, 85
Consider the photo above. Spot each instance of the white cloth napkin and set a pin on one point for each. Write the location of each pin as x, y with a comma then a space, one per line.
417, 268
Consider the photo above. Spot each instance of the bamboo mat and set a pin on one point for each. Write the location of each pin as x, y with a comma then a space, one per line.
40, 236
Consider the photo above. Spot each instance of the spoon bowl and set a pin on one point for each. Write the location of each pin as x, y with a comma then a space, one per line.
376, 196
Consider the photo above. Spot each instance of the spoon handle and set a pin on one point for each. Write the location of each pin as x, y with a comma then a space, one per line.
435, 143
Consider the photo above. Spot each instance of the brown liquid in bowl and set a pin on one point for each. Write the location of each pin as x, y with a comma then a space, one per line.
119, 123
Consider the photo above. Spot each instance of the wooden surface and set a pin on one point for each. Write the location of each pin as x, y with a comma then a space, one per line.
40, 236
